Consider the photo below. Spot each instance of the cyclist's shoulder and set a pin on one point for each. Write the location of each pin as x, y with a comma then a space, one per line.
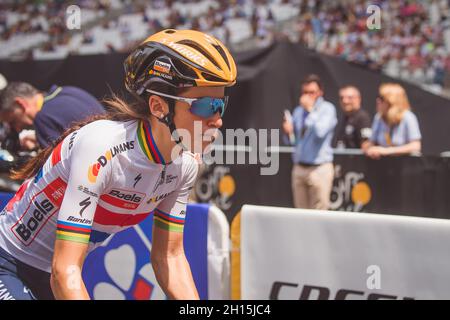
108, 125
101, 137
190, 164
104, 133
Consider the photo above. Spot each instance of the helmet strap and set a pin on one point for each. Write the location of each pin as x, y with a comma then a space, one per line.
170, 123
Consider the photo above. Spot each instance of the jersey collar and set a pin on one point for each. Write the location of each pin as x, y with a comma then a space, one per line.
148, 144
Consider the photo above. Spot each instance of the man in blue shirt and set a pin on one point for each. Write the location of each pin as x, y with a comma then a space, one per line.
22, 106
311, 129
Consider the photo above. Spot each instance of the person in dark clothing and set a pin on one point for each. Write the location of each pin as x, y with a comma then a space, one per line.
22, 106
354, 127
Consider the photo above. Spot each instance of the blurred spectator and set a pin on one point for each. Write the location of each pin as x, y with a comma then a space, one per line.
413, 39
22, 106
412, 43
354, 126
395, 129
88, 38
313, 124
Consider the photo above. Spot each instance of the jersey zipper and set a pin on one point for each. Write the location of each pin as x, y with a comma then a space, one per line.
161, 179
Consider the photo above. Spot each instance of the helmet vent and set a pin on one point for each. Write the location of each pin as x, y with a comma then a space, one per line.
222, 53
184, 69
195, 46
209, 77
170, 31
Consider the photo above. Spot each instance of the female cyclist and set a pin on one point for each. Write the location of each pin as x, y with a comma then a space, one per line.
109, 173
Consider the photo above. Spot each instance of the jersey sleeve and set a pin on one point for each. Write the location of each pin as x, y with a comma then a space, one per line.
89, 173
170, 214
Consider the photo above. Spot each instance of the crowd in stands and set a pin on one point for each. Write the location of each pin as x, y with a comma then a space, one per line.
412, 43
25, 25
37, 29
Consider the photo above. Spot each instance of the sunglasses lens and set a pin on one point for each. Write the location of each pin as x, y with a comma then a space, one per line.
208, 107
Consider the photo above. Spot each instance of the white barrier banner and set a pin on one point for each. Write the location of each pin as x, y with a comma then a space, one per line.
311, 254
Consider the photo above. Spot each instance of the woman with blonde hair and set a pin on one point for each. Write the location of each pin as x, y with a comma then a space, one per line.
395, 129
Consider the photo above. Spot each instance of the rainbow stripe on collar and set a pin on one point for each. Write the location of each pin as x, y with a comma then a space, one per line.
148, 144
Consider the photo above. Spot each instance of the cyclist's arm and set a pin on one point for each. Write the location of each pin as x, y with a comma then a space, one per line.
169, 261
171, 267
76, 217
66, 280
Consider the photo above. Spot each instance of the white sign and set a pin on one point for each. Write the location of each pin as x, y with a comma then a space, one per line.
312, 254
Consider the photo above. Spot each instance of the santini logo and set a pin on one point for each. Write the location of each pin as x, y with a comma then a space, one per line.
79, 220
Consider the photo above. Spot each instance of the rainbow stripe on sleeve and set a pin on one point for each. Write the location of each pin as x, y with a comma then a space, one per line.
168, 222
72, 232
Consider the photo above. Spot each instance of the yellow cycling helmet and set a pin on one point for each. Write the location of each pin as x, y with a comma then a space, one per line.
179, 59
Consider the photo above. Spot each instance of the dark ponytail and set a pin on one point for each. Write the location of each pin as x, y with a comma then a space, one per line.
31, 168
117, 109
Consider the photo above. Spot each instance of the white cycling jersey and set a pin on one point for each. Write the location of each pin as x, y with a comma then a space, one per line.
101, 179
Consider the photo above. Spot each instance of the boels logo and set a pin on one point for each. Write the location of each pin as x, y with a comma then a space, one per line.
162, 66
40, 209
123, 199
125, 196
102, 161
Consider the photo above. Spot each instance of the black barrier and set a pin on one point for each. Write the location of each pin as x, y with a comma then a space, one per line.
268, 83
413, 186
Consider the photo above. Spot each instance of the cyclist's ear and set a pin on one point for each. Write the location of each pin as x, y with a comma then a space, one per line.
158, 106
